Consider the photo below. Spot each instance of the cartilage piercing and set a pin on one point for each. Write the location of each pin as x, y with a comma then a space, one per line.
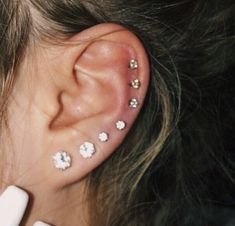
120, 125
87, 150
135, 84
133, 103
133, 64
103, 137
62, 160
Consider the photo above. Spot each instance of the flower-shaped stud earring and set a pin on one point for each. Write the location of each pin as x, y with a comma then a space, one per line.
133, 103
135, 84
87, 150
103, 137
133, 64
62, 160
120, 125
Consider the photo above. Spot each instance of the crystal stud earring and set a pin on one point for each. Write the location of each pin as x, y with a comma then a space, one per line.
87, 150
120, 125
133, 64
103, 137
133, 103
62, 160
135, 84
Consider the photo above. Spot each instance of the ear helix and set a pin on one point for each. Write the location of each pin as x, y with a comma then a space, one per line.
62, 160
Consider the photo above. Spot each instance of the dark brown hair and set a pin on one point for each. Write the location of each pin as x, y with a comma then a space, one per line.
175, 162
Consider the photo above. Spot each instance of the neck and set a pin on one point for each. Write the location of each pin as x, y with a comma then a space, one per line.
63, 207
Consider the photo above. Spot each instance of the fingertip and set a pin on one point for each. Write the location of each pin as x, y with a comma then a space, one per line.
16, 192
40, 223
13, 202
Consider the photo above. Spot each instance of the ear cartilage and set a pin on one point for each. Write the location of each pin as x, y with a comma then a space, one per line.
103, 137
133, 103
135, 84
62, 160
120, 125
133, 64
87, 150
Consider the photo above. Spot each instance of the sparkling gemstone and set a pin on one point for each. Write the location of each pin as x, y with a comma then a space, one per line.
120, 125
62, 160
87, 150
133, 103
103, 137
135, 84
133, 64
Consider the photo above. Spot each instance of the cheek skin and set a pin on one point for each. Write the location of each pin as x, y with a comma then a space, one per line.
28, 122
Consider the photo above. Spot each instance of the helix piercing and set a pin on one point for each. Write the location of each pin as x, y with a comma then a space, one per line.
133, 103
103, 137
87, 150
133, 64
120, 125
62, 160
135, 84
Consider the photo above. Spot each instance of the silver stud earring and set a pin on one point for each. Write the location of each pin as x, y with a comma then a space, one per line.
135, 84
120, 125
133, 103
103, 137
133, 64
87, 150
62, 160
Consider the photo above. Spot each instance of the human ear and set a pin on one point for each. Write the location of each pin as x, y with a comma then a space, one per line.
100, 79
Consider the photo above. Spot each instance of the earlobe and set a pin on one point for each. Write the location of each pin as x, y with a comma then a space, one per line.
111, 76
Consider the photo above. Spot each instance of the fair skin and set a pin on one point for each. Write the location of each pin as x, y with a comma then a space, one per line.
54, 107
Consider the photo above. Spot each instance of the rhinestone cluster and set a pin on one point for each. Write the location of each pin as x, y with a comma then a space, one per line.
133, 64
62, 160
87, 150
103, 137
121, 125
133, 103
135, 84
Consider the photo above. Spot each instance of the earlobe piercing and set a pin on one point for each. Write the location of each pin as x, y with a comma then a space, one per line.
133, 64
120, 125
133, 103
103, 137
135, 84
87, 150
62, 160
